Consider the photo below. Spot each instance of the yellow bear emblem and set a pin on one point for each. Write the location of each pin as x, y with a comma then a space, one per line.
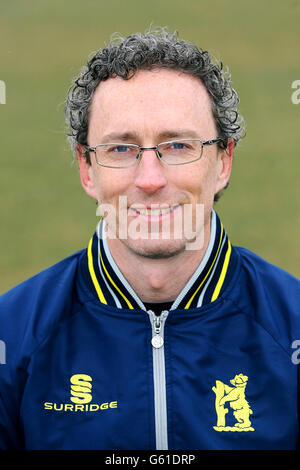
237, 400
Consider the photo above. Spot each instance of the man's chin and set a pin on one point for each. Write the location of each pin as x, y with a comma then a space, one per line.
156, 249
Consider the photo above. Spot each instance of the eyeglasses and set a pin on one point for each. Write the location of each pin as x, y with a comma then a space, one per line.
173, 152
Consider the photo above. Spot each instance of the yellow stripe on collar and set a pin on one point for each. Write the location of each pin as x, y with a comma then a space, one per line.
223, 274
115, 286
191, 299
93, 275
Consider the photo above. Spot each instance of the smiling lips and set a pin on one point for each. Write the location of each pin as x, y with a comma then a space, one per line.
153, 212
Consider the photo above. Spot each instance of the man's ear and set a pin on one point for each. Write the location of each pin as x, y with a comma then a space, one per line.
86, 173
225, 160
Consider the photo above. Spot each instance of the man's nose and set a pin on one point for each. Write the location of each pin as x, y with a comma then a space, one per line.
150, 172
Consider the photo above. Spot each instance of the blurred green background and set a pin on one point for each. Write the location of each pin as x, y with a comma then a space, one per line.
45, 215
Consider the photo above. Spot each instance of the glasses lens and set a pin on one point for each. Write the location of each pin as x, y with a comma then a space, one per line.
117, 155
179, 152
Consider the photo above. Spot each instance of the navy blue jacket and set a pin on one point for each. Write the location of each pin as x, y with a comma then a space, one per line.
80, 373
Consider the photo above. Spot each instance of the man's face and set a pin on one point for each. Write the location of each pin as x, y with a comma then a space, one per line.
152, 107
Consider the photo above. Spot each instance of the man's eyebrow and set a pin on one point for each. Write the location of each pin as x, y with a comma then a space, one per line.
119, 137
177, 134
162, 135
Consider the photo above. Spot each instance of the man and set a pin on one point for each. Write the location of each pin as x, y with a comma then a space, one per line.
161, 334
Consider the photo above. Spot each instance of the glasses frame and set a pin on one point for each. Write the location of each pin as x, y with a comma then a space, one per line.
140, 151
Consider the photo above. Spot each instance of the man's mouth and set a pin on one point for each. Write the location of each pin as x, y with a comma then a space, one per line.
154, 211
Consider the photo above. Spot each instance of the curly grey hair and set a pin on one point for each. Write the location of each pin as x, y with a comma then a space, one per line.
123, 57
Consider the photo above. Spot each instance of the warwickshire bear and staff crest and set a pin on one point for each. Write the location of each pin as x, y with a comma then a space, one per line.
236, 397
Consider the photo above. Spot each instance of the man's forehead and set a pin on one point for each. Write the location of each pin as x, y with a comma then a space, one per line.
150, 82
159, 102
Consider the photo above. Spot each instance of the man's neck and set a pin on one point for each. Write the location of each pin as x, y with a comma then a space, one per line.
188, 281
157, 280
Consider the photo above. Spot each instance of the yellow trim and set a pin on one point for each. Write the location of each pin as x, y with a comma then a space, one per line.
116, 287
191, 299
223, 273
93, 275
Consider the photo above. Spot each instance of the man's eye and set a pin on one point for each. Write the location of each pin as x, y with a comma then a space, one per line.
122, 149
178, 146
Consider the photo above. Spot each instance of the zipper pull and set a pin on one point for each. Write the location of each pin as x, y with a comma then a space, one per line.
157, 340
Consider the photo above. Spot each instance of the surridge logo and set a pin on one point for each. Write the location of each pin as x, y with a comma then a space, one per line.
81, 388
81, 396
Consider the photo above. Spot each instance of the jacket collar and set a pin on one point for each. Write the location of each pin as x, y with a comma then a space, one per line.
205, 285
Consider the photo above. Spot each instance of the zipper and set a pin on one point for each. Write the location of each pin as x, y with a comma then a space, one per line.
159, 379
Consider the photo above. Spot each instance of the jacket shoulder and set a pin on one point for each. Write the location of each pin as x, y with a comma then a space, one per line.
256, 266
28, 310
270, 295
